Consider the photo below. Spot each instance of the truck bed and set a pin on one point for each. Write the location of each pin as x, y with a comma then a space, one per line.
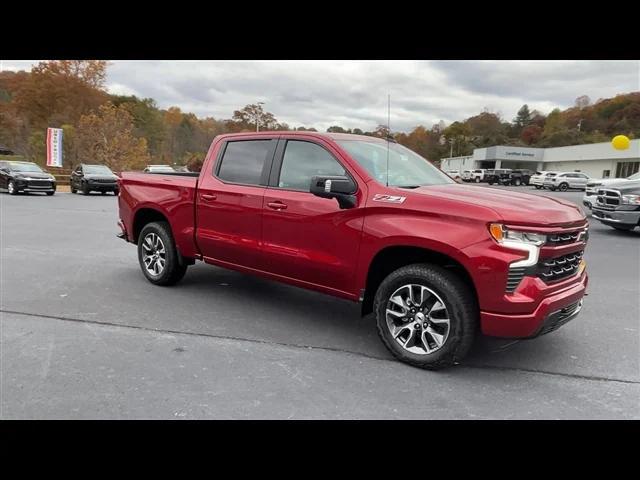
173, 194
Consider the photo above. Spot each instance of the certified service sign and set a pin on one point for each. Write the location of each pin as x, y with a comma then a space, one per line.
54, 147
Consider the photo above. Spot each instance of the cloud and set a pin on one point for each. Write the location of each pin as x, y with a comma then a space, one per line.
353, 94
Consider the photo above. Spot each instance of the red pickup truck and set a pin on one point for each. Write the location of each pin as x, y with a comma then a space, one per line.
368, 220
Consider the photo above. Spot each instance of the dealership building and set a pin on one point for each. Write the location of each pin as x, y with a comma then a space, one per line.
598, 160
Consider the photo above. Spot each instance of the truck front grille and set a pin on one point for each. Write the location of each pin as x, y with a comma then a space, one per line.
608, 199
559, 268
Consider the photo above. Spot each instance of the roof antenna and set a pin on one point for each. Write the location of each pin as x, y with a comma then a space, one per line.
388, 132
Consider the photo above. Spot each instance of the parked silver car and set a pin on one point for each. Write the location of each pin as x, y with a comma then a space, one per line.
563, 181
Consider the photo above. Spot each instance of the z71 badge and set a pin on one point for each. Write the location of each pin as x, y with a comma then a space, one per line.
378, 197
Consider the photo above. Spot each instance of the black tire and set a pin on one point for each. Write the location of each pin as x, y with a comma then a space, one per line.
477, 180
103, 192
553, 189
73, 189
516, 181
459, 300
563, 187
538, 187
11, 188
85, 189
51, 193
490, 182
173, 271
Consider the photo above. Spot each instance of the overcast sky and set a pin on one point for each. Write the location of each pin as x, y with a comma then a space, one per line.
353, 94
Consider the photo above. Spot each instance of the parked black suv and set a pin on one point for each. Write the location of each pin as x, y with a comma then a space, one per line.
618, 205
93, 178
16, 177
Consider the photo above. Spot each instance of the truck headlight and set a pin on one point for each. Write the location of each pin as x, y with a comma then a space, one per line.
631, 199
528, 242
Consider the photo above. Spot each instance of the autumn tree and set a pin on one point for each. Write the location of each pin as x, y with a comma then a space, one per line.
523, 117
60, 91
252, 117
106, 137
582, 101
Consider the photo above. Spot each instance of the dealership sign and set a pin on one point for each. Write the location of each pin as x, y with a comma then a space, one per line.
54, 147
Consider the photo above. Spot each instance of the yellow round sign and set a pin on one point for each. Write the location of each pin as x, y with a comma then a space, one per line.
620, 142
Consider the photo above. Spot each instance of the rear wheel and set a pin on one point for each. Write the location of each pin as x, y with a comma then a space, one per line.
158, 256
426, 316
538, 187
477, 180
563, 187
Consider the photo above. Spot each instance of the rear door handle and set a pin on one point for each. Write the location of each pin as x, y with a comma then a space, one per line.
208, 198
276, 205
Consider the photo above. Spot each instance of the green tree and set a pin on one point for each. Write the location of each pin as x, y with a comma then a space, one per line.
523, 117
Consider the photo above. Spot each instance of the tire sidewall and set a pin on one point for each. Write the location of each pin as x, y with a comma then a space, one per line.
171, 259
563, 187
15, 189
443, 287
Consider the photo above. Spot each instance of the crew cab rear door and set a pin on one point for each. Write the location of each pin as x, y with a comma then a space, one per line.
308, 238
229, 201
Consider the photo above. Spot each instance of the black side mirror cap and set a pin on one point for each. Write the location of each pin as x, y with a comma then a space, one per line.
342, 188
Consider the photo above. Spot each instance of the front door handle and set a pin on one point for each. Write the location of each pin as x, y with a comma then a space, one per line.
208, 198
276, 205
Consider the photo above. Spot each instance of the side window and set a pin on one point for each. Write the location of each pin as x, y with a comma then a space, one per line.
303, 160
244, 160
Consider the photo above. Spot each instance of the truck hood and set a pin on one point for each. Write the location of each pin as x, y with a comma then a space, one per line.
510, 206
600, 182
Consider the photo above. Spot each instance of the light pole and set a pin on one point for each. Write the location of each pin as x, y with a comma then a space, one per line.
258, 116
451, 142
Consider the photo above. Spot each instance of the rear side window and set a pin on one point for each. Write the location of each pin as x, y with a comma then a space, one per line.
303, 160
243, 161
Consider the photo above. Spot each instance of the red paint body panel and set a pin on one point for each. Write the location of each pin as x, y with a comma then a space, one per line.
304, 240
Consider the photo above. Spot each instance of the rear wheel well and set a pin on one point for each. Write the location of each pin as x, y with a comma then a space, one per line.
392, 258
142, 218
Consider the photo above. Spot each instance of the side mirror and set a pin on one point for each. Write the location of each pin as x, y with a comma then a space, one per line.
341, 188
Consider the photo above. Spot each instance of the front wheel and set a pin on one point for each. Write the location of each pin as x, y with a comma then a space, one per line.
11, 188
563, 187
426, 316
158, 255
85, 189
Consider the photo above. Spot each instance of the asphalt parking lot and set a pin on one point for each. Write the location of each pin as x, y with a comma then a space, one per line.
84, 335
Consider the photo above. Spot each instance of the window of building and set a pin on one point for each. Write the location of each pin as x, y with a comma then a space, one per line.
303, 160
606, 173
626, 169
243, 161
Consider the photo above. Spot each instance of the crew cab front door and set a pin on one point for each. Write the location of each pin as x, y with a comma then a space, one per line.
305, 237
229, 202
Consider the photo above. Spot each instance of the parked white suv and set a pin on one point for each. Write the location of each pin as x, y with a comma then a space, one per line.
476, 175
591, 190
455, 174
537, 180
563, 181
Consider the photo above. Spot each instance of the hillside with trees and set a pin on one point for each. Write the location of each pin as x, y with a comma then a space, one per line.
126, 132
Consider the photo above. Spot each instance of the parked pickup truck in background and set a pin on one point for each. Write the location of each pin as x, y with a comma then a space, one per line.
593, 185
618, 205
434, 260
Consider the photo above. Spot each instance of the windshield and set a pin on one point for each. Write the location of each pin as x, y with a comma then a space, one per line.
635, 176
25, 167
97, 169
406, 168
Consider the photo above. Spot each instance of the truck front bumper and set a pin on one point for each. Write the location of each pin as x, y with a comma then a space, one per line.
617, 217
552, 312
